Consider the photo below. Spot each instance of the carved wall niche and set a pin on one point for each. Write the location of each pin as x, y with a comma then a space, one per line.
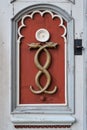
42, 88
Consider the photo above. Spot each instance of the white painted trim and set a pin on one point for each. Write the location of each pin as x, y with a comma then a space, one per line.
72, 1
85, 65
43, 120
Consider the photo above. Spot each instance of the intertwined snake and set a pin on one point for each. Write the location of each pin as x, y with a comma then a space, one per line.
42, 69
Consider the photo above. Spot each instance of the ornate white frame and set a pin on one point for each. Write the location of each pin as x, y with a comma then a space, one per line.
43, 114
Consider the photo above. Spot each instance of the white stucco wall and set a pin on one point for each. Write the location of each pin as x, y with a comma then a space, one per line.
7, 11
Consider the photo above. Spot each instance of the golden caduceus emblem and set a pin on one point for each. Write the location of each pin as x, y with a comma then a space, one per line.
42, 35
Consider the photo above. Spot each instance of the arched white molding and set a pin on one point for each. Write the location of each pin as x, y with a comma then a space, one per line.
73, 1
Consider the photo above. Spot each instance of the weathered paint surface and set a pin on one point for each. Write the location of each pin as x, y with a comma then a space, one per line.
7, 11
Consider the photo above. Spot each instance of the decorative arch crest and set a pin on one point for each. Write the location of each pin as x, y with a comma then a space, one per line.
57, 10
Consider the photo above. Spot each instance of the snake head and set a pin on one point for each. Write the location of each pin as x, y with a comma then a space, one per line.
34, 45
52, 44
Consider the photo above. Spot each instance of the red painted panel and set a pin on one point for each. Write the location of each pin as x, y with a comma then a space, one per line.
28, 70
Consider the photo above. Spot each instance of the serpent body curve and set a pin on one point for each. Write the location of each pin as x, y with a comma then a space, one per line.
43, 69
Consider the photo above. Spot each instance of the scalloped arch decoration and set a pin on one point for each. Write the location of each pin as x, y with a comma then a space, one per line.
42, 14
